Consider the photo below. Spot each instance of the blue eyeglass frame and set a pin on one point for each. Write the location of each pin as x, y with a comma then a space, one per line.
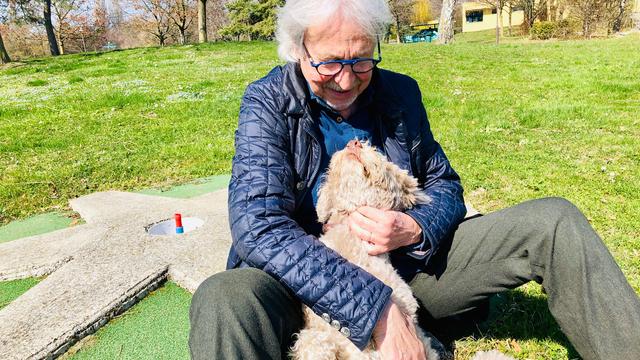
344, 62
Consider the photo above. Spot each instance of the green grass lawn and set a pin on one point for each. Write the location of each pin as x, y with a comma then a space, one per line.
518, 121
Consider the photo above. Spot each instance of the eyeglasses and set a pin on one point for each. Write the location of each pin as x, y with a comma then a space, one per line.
333, 67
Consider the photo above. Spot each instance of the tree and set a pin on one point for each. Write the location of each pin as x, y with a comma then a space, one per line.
499, 6
588, 12
252, 19
62, 10
532, 10
217, 18
421, 12
4, 55
240, 19
445, 27
4, 12
153, 18
511, 5
402, 12
100, 24
618, 11
202, 21
28, 10
181, 14
265, 12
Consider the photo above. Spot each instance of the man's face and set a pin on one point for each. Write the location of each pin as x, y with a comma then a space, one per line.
337, 39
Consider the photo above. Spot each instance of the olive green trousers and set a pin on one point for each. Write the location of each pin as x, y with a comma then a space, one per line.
246, 314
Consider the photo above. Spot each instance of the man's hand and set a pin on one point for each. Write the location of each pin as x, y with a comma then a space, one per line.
385, 230
395, 336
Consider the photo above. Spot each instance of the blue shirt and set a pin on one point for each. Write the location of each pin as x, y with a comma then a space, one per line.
335, 132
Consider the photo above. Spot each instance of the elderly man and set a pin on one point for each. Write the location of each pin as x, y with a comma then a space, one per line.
291, 122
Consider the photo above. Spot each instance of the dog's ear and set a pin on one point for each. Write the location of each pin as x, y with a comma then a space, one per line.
325, 202
412, 194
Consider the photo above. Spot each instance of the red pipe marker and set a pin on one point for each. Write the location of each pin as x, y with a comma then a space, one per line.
179, 228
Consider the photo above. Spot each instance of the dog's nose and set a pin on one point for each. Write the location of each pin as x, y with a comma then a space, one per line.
354, 144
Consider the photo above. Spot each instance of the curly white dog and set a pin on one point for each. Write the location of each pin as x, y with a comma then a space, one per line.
359, 175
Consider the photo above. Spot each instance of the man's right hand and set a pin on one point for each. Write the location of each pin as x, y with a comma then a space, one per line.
395, 336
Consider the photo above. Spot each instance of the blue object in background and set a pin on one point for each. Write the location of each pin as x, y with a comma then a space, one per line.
426, 35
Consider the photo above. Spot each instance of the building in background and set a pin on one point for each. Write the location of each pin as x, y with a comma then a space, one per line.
477, 16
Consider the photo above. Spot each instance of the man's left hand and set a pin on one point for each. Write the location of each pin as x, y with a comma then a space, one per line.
385, 230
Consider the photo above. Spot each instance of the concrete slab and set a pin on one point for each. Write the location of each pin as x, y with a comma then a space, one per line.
42, 254
99, 269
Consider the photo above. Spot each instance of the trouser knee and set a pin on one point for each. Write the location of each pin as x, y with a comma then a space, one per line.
242, 314
561, 221
554, 209
229, 290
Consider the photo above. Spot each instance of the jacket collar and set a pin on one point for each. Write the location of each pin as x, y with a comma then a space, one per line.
295, 85
385, 99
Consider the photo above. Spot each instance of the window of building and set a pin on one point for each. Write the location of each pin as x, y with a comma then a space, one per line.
494, 11
474, 16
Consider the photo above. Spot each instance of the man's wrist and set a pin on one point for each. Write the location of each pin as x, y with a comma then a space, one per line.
416, 231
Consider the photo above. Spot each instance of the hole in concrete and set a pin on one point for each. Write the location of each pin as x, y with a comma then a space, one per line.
168, 227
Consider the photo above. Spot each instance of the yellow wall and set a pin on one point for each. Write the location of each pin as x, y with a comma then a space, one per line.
488, 19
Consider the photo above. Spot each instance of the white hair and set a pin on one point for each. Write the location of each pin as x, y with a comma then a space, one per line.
297, 15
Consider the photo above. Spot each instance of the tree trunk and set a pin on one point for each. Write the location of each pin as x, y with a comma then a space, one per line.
445, 28
497, 26
586, 31
510, 16
499, 13
202, 21
4, 55
617, 22
183, 37
51, 35
397, 30
84, 43
60, 40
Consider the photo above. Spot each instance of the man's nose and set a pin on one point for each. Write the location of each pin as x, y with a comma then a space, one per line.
353, 144
345, 78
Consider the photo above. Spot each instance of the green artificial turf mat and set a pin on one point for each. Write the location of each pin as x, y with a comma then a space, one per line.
11, 290
35, 225
196, 188
155, 328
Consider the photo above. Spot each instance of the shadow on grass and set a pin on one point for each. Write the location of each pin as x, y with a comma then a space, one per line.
510, 315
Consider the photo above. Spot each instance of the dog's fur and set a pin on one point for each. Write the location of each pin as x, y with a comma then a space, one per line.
359, 176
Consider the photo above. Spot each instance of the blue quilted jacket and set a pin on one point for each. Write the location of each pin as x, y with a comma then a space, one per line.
278, 157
